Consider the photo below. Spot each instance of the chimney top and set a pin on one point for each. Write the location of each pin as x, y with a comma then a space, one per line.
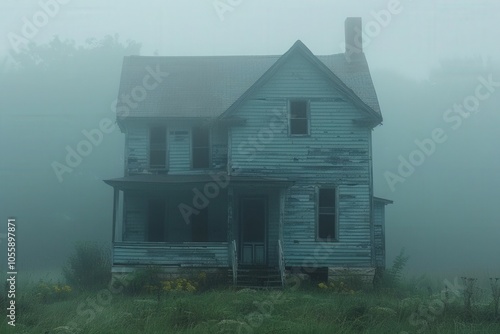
353, 36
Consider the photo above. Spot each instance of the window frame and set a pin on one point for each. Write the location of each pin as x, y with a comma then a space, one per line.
308, 117
165, 148
208, 147
336, 213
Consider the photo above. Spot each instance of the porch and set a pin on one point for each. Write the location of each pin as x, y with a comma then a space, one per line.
195, 222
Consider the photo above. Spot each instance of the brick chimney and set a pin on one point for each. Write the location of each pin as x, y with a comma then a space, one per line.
353, 37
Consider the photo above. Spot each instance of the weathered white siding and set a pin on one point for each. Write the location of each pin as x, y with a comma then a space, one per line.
179, 149
195, 254
335, 153
219, 147
178, 146
136, 149
379, 232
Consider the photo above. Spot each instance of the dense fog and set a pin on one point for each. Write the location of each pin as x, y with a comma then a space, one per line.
436, 154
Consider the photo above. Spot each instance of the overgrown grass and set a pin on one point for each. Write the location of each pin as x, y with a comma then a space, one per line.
306, 310
149, 302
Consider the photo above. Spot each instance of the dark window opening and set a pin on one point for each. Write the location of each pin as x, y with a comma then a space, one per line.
253, 219
199, 226
157, 148
201, 147
156, 220
327, 214
299, 122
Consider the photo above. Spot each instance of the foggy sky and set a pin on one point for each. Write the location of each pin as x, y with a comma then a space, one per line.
445, 214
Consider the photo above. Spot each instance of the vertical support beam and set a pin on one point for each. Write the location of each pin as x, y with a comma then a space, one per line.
230, 213
383, 236
116, 198
282, 214
372, 214
230, 220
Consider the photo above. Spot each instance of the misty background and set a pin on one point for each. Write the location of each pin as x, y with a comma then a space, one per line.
424, 60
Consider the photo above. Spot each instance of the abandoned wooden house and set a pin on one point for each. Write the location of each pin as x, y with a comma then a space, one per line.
249, 164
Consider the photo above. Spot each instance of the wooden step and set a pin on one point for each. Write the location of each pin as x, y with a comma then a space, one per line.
257, 277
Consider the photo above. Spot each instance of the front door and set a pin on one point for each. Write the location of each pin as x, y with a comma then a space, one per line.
253, 231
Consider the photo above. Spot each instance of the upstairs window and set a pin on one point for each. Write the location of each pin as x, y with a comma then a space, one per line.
200, 147
327, 214
299, 117
157, 148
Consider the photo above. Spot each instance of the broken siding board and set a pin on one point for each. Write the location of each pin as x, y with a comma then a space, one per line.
306, 157
137, 159
379, 234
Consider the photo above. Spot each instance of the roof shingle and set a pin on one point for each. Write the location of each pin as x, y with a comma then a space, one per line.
206, 86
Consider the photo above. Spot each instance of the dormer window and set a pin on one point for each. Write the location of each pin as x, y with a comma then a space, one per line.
200, 147
299, 117
158, 148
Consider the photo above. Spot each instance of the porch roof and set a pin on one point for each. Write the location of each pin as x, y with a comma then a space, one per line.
148, 181
383, 201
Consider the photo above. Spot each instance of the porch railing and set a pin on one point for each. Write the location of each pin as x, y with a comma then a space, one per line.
234, 260
183, 254
281, 259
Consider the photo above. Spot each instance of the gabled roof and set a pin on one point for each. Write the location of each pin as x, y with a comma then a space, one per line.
209, 86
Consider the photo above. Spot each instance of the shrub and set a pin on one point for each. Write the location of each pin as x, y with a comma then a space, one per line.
89, 267
337, 286
391, 278
495, 291
48, 292
212, 280
179, 284
144, 280
152, 281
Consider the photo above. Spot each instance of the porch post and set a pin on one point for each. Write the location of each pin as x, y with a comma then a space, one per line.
116, 197
282, 214
230, 210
